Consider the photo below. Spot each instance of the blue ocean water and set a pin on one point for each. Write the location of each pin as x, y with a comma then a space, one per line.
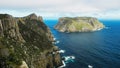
101, 49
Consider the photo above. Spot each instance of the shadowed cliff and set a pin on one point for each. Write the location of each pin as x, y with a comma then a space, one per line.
26, 42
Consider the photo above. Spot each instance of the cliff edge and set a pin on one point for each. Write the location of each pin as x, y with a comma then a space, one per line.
78, 24
26, 42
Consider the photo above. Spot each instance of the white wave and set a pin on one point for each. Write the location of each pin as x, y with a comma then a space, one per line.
99, 29
89, 66
61, 51
62, 65
54, 39
66, 58
57, 42
69, 58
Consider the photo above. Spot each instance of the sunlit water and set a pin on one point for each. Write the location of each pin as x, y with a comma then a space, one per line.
100, 49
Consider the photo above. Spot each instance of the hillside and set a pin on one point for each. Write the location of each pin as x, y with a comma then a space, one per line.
26, 42
78, 24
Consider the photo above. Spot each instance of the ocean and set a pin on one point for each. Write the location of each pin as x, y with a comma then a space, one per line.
100, 49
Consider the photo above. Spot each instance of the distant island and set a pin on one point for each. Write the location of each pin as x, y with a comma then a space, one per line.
78, 24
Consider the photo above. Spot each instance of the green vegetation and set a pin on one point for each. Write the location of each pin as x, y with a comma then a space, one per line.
25, 39
78, 24
7, 54
81, 25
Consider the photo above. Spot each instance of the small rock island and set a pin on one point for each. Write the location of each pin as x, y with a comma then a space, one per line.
78, 24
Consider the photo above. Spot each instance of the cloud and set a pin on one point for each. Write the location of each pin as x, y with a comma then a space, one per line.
57, 8
47, 4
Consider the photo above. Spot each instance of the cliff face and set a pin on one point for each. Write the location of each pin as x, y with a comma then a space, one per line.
78, 24
26, 42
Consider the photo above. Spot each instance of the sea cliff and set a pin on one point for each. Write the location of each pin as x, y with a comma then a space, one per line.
26, 42
78, 24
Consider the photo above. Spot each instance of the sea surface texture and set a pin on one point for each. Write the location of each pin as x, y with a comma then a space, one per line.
100, 49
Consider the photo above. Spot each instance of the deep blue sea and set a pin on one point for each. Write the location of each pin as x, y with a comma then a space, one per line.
101, 49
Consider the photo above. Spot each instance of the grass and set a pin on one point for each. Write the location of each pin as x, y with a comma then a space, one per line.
79, 24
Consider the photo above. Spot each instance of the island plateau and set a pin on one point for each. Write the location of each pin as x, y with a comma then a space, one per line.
78, 24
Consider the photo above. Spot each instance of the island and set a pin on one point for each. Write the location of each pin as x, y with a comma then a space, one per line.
26, 42
78, 24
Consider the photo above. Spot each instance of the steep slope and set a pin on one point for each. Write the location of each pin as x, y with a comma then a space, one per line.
78, 24
26, 42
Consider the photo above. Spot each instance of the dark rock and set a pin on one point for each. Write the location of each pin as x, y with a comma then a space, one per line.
32, 16
26, 42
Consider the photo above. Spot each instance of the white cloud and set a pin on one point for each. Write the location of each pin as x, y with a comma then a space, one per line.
57, 8
100, 4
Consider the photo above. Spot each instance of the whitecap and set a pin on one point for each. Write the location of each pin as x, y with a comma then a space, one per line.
64, 65
89, 66
57, 42
61, 51
69, 58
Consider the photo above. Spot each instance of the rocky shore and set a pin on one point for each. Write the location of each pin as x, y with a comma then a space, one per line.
26, 42
78, 24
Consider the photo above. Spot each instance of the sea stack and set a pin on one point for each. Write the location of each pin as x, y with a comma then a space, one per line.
78, 24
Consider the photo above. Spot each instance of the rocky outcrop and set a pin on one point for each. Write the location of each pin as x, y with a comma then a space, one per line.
9, 27
26, 42
78, 24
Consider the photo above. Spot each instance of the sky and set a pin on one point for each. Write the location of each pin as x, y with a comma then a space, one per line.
52, 9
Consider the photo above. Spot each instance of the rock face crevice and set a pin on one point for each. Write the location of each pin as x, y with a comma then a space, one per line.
78, 24
26, 42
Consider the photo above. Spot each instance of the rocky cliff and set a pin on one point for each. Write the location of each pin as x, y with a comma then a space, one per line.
78, 24
26, 42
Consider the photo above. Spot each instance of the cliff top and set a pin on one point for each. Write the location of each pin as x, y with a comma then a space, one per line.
77, 18
2, 16
78, 24
26, 41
